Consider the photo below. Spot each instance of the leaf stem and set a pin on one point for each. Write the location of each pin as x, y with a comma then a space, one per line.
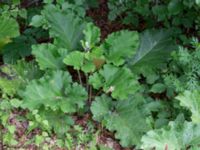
90, 94
79, 77
99, 92
87, 82
1, 138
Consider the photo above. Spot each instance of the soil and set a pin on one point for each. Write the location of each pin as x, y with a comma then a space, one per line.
100, 17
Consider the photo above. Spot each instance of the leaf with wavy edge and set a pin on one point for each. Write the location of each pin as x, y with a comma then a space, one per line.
55, 91
49, 56
155, 48
66, 28
9, 28
191, 101
125, 117
120, 45
119, 81
175, 136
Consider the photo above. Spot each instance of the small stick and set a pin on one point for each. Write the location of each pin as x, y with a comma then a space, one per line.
87, 82
99, 92
79, 77
90, 94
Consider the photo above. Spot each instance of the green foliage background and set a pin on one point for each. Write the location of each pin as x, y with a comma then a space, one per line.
141, 84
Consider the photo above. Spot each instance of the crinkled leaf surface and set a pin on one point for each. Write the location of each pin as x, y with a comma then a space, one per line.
20, 47
49, 56
175, 137
117, 80
56, 91
158, 88
175, 7
88, 66
191, 101
96, 80
32, 70
84, 61
65, 27
74, 59
120, 45
9, 28
37, 21
92, 36
155, 48
125, 117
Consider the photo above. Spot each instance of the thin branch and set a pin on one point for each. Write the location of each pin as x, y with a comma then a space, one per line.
90, 94
79, 77
87, 82
99, 92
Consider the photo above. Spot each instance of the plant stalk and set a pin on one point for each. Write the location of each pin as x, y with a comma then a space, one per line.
79, 77
90, 94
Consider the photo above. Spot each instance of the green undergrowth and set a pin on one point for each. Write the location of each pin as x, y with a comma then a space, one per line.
69, 86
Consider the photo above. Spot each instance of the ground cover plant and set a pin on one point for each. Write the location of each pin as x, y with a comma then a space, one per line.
99, 75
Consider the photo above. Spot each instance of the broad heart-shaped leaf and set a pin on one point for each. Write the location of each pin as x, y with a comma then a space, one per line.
32, 70
55, 91
118, 80
74, 59
9, 28
120, 45
158, 88
92, 36
49, 56
191, 101
86, 61
175, 136
125, 117
175, 7
66, 28
155, 48
20, 47
79, 61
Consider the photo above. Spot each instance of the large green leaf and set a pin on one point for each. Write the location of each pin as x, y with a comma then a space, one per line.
191, 101
175, 7
92, 36
117, 80
176, 136
125, 117
81, 61
74, 59
66, 28
49, 56
19, 48
120, 45
9, 28
155, 48
56, 91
